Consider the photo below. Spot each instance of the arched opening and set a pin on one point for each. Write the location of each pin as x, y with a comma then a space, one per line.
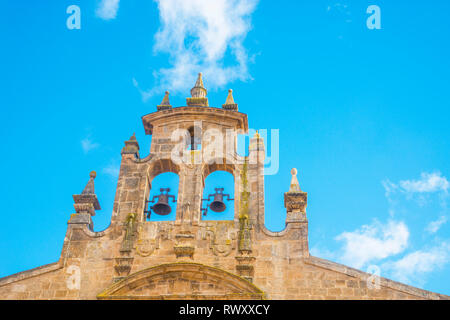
195, 138
162, 205
218, 189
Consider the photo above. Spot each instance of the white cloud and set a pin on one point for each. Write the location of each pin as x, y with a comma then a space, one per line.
198, 35
386, 244
429, 182
107, 9
112, 170
87, 145
373, 242
414, 266
434, 226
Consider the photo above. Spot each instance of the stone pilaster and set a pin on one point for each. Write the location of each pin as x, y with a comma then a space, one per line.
295, 202
256, 180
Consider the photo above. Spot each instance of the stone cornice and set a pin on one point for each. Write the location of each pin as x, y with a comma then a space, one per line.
384, 282
234, 119
30, 273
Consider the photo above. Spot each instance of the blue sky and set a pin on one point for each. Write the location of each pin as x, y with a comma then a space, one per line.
362, 114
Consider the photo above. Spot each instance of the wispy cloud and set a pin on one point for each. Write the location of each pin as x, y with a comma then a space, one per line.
87, 145
373, 242
198, 35
340, 10
107, 9
388, 244
420, 190
112, 170
428, 183
413, 267
434, 226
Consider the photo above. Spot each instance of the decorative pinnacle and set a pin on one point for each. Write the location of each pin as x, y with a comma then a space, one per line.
199, 91
165, 103
229, 103
230, 99
198, 94
199, 82
295, 186
89, 189
131, 145
87, 201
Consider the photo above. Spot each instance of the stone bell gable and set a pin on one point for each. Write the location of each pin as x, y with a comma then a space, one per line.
191, 257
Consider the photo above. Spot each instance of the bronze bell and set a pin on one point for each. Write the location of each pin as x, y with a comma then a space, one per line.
162, 206
217, 205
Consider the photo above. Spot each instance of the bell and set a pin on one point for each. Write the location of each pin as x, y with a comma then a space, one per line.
218, 205
162, 206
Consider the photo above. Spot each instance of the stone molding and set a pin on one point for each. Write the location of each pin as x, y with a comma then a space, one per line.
329, 265
30, 273
228, 285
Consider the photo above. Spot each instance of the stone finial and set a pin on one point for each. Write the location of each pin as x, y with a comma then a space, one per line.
295, 201
165, 103
131, 146
198, 91
295, 186
90, 188
229, 103
87, 201
198, 94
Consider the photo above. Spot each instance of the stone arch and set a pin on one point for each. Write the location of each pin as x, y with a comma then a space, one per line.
227, 165
182, 281
157, 167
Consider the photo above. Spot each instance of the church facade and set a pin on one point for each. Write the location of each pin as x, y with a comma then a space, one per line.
193, 258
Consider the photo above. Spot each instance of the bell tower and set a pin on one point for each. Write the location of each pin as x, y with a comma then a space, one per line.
194, 141
193, 258
191, 141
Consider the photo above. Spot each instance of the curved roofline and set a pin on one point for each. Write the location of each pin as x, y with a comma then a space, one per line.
201, 113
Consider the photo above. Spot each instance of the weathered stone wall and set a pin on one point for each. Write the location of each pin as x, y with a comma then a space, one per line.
279, 271
190, 257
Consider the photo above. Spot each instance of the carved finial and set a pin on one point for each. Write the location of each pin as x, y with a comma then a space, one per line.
295, 186
131, 146
230, 99
198, 91
229, 103
198, 94
199, 82
87, 201
165, 103
90, 189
